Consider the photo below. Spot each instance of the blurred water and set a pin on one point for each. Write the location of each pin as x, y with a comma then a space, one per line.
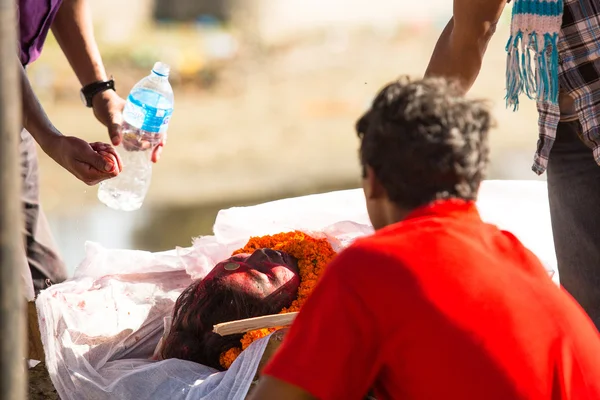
513, 163
112, 229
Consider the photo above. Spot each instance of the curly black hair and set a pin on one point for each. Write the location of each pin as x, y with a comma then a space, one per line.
425, 141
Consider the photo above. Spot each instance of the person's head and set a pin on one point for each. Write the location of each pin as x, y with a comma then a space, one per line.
421, 141
243, 286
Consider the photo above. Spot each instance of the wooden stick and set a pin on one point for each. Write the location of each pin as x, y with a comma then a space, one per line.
251, 324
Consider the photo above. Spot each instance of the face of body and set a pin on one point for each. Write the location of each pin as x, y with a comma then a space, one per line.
260, 274
266, 276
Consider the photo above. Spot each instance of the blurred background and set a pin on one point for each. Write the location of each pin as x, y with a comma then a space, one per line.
266, 96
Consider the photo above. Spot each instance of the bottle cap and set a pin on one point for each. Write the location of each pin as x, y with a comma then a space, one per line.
161, 69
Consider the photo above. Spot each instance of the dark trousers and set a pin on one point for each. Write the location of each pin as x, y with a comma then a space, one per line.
43, 261
574, 195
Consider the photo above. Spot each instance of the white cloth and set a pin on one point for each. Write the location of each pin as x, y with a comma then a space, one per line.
99, 333
100, 328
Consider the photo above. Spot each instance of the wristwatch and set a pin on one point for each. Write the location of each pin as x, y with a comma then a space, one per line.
88, 92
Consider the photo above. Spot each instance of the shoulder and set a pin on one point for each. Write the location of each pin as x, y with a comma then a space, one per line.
518, 250
365, 254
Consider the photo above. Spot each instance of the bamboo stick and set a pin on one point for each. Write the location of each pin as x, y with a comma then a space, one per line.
251, 324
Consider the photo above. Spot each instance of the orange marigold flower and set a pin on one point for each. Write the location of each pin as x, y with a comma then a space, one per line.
313, 256
227, 358
254, 335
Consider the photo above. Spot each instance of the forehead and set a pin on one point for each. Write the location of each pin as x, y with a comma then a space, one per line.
233, 262
255, 275
231, 266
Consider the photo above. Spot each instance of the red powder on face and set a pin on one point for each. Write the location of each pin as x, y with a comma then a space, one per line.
260, 274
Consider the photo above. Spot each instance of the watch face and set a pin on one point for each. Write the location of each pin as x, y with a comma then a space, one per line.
83, 99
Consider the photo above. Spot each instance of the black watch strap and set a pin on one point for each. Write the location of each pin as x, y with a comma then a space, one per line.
89, 91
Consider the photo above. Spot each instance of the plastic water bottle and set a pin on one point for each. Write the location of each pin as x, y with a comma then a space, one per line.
145, 122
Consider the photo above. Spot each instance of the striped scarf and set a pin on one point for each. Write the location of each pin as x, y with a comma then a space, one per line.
532, 62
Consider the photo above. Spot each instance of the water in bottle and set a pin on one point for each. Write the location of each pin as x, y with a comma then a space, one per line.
145, 122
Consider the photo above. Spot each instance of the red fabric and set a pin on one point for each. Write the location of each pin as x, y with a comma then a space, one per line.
440, 306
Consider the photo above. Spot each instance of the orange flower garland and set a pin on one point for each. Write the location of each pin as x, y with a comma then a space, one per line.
313, 256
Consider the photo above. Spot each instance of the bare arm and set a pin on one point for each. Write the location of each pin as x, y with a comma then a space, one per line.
73, 29
274, 389
84, 160
35, 119
459, 51
74, 32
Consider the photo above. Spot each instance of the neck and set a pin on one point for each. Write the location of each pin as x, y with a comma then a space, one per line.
394, 213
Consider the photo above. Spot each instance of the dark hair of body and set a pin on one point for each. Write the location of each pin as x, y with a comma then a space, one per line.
218, 298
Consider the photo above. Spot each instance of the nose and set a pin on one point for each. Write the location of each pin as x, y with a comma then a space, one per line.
271, 253
262, 255
257, 256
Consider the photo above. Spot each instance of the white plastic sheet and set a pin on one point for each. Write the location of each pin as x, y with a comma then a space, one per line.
100, 328
99, 333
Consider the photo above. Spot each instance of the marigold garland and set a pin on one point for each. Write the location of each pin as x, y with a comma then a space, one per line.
313, 256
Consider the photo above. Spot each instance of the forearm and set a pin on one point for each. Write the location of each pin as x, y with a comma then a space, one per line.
35, 119
459, 57
73, 30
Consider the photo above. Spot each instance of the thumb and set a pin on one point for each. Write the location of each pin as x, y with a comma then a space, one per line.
115, 128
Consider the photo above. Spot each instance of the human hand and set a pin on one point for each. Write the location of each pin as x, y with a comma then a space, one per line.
132, 142
91, 163
156, 153
108, 109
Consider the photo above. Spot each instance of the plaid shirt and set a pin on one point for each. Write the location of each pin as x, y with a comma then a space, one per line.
579, 76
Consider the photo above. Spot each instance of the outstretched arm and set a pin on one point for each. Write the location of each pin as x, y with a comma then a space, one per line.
35, 119
459, 51
90, 163
73, 29
74, 32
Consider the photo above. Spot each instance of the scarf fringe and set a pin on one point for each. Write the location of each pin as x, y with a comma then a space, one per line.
532, 68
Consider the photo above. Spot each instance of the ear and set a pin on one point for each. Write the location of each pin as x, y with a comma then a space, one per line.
373, 188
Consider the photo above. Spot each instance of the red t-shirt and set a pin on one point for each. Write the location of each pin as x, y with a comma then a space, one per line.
440, 306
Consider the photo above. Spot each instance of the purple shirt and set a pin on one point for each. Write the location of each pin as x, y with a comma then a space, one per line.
35, 18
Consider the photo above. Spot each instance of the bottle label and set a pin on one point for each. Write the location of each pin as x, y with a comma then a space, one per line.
146, 117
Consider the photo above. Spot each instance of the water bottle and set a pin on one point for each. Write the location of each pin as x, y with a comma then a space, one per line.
145, 122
